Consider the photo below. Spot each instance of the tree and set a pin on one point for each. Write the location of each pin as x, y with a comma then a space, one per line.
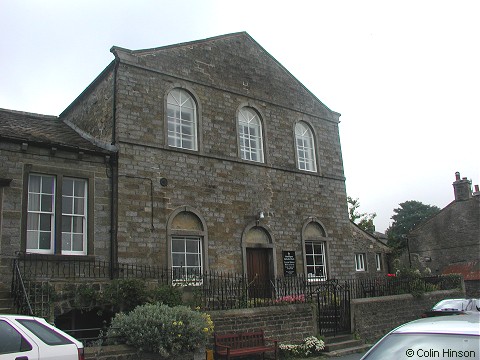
363, 220
407, 216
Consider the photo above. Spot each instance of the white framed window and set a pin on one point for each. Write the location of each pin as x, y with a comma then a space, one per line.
250, 135
360, 262
74, 216
187, 259
181, 120
41, 214
44, 235
305, 147
315, 258
378, 261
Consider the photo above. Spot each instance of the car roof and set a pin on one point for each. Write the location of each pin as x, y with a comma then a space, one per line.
454, 324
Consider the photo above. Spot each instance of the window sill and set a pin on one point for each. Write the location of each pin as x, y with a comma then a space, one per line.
56, 257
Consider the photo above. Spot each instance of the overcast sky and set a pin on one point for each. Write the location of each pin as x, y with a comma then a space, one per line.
405, 75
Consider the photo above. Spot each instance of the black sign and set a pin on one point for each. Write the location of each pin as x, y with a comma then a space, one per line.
289, 265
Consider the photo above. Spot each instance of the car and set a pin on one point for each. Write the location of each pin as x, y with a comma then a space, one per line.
442, 337
27, 337
454, 307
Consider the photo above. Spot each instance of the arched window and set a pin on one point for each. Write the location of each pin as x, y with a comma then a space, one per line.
182, 120
187, 245
250, 135
314, 242
305, 147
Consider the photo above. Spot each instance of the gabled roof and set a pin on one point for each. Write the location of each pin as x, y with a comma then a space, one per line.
42, 130
371, 237
238, 52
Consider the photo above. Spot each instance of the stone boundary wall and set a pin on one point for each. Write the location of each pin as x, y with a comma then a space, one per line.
374, 317
287, 323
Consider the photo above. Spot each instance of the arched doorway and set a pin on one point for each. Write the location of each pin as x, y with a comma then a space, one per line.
259, 261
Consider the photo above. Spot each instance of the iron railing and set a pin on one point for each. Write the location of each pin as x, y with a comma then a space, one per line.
214, 290
21, 299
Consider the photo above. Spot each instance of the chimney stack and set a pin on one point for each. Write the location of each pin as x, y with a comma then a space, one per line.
462, 188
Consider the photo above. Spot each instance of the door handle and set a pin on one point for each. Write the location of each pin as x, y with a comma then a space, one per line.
22, 358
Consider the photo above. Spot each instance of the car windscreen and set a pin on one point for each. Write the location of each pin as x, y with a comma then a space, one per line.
426, 346
458, 305
44, 333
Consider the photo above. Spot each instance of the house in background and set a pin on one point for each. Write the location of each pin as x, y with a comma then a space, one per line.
370, 254
206, 155
449, 242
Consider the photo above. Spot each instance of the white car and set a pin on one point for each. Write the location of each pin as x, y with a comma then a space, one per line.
32, 338
442, 337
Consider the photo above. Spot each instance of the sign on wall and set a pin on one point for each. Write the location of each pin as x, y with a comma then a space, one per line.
289, 264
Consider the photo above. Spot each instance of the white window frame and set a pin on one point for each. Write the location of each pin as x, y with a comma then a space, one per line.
378, 261
185, 272
319, 267
250, 135
36, 215
58, 234
360, 262
305, 145
181, 120
74, 215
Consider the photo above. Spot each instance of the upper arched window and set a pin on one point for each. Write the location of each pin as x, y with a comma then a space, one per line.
305, 145
182, 120
250, 135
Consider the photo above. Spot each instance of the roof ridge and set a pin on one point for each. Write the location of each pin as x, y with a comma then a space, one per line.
18, 112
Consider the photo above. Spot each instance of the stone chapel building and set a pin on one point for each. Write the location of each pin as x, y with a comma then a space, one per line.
205, 155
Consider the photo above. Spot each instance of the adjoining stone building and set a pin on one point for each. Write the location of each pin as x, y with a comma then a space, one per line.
449, 242
206, 155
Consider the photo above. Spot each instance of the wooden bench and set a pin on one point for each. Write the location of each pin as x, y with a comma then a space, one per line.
242, 344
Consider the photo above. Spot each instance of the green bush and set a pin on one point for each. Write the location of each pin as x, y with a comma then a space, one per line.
166, 294
161, 329
125, 294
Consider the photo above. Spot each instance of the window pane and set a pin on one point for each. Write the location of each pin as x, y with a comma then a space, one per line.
45, 222
80, 188
192, 246
192, 260
67, 188
32, 221
77, 224
45, 240
47, 203
178, 259
47, 184
78, 208
34, 183
44, 333
33, 202
67, 205
32, 240
77, 242
66, 242
178, 246
66, 223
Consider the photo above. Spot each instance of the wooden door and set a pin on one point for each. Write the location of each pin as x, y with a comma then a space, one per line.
258, 273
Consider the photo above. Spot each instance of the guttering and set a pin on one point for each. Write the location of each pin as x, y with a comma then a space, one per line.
114, 180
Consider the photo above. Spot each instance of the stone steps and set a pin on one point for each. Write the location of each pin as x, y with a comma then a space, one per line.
343, 345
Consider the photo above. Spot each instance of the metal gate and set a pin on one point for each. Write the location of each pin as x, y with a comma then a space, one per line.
333, 305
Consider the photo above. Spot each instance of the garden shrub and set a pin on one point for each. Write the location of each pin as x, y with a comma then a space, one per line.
125, 294
161, 329
166, 294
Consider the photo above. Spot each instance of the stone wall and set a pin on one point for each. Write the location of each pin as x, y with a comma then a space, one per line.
285, 323
374, 317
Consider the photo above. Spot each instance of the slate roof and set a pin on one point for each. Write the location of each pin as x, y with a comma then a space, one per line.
42, 130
